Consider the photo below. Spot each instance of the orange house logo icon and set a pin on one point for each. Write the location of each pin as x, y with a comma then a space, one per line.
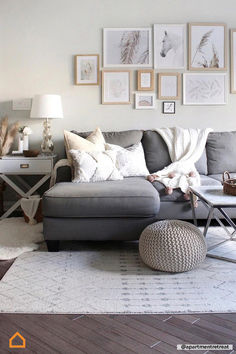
17, 335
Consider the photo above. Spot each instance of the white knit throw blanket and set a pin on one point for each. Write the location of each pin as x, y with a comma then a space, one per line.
185, 148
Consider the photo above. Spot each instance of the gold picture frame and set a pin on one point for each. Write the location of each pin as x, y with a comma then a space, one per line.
143, 80
202, 45
164, 93
232, 59
86, 69
121, 87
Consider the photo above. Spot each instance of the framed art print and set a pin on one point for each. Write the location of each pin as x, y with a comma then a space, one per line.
87, 69
169, 86
116, 87
207, 46
233, 60
168, 108
144, 101
170, 46
130, 47
204, 89
145, 80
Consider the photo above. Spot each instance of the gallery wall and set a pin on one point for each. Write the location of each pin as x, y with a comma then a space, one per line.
39, 38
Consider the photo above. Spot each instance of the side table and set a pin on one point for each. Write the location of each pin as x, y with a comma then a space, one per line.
19, 166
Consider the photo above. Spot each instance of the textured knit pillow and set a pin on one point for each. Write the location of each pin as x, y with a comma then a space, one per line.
94, 142
94, 166
131, 161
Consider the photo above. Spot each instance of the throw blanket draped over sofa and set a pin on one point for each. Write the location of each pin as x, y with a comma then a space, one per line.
185, 148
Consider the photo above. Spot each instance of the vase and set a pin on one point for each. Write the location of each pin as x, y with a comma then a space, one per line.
26, 142
20, 144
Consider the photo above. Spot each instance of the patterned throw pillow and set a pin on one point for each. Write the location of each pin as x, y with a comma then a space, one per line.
94, 142
131, 161
94, 166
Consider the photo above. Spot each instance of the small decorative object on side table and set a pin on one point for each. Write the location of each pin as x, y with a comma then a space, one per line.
215, 201
18, 166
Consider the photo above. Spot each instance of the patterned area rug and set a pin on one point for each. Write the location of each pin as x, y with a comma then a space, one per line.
111, 278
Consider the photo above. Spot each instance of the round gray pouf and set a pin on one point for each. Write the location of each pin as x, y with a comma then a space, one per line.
172, 246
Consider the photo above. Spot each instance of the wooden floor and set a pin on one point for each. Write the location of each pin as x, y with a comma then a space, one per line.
118, 334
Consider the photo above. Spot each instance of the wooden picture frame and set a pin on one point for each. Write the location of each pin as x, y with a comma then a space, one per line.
118, 81
86, 69
127, 47
145, 100
212, 57
166, 90
145, 80
233, 61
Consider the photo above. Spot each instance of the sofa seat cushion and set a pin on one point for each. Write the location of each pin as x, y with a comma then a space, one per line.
177, 195
131, 197
218, 177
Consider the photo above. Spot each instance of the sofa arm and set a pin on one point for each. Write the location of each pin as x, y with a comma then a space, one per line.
63, 163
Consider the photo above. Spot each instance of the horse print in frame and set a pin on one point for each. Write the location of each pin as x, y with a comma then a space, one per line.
127, 47
170, 46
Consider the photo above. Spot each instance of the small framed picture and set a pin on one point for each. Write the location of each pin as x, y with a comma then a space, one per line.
207, 46
144, 101
87, 69
169, 86
145, 80
116, 87
168, 108
233, 60
130, 47
204, 89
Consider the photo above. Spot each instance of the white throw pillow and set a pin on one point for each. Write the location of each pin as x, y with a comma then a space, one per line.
131, 161
94, 166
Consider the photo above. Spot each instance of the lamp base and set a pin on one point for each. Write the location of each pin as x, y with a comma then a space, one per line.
47, 144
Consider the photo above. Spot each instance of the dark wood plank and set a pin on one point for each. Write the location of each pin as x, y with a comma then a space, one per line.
112, 334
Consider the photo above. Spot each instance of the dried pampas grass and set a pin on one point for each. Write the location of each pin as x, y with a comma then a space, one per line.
7, 135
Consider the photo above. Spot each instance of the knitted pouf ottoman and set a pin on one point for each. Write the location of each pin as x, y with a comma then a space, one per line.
172, 246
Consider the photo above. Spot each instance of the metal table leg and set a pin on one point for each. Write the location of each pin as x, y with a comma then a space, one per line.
193, 209
210, 214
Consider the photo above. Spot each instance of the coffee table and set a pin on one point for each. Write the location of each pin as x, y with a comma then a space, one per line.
214, 199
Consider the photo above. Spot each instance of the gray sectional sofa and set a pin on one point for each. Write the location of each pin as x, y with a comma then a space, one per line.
120, 210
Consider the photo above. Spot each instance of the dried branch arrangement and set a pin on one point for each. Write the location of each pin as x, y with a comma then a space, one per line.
7, 135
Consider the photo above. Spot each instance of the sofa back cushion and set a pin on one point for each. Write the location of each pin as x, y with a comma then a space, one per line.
157, 154
221, 148
155, 150
124, 138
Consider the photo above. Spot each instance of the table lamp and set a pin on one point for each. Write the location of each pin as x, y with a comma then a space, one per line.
47, 107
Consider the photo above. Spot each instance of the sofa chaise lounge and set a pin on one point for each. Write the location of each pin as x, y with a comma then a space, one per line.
120, 210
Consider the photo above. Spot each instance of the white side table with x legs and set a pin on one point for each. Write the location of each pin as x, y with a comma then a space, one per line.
19, 166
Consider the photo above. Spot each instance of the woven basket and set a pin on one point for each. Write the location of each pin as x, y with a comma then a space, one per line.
229, 184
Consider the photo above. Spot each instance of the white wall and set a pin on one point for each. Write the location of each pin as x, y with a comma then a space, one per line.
38, 39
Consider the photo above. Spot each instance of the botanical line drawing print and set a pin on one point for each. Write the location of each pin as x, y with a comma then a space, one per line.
117, 88
87, 70
204, 89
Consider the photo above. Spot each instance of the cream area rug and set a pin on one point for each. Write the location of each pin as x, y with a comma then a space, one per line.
98, 278
18, 237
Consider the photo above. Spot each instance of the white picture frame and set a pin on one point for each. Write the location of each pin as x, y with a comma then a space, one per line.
207, 47
170, 46
117, 43
233, 61
116, 87
204, 89
87, 69
145, 101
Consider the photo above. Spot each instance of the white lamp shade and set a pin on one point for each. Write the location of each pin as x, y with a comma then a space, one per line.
46, 106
